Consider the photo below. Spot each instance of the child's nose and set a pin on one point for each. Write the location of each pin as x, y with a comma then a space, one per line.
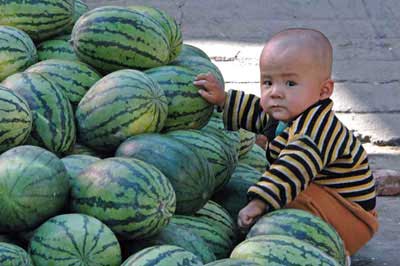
276, 91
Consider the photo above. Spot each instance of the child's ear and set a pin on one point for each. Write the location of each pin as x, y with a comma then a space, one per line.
326, 89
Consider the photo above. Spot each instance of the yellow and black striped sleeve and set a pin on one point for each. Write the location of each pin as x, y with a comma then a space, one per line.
296, 166
316, 141
244, 111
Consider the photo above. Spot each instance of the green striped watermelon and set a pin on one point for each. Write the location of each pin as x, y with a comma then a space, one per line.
12, 255
33, 187
53, 118
215, 213
121, 104
80, 8
73, 77
199, 65
213, 149
171, 27
176, 235
74, 239
164, 255
130, 196
75, 164
41, 19
56, 49
16, 119
191, 50
231, 138
247, 140
232, 196
233, 262
218, 240
188, 171
303, 226
186, 108
281, 250
112, 38
17, 51
256, 158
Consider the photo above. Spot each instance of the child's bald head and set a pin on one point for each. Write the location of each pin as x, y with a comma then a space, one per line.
308, 43
295, 72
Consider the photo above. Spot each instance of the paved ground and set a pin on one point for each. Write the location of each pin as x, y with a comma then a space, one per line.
366, 38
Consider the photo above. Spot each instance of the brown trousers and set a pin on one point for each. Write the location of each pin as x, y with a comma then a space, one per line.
354, 225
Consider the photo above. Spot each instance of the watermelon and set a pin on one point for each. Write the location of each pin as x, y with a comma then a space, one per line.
256, 158
53, 119
216, 214
170, 26
232, 262
189, 172
303, 226
56, 49
118, 106
73, 78
75, 164
217, 239
231, 138
111, 38
247, 140
191, 50
199, 65
17, 51
16, 119
130, 196
233, 196
281, 250
213, 149
33, 187
74, 239
12, 255
41, 19
163, 255
80, 8
176, 235
186, 108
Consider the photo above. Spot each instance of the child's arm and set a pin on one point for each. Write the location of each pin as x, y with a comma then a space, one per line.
240, 110
250, 213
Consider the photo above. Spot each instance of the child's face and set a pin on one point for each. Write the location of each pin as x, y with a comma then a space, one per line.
290, 81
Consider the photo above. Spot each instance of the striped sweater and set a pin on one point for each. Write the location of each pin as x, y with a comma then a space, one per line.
315, 147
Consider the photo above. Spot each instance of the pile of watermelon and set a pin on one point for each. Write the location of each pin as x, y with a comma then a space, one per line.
109, 156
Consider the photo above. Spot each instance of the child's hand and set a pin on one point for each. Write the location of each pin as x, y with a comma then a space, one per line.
249, 214
212, 91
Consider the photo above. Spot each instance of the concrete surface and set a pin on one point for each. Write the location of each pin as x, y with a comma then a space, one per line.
365, 35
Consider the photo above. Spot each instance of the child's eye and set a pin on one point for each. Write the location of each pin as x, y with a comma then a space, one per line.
267, 83
290, 83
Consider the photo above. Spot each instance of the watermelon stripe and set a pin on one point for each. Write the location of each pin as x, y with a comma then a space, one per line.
123, 34
31, 4
333, 238
101, 60
181, 114
58, 49
126, 220
107, 18
143, 108
123, 47
14, 60
48, 112
110, 101
219, 243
